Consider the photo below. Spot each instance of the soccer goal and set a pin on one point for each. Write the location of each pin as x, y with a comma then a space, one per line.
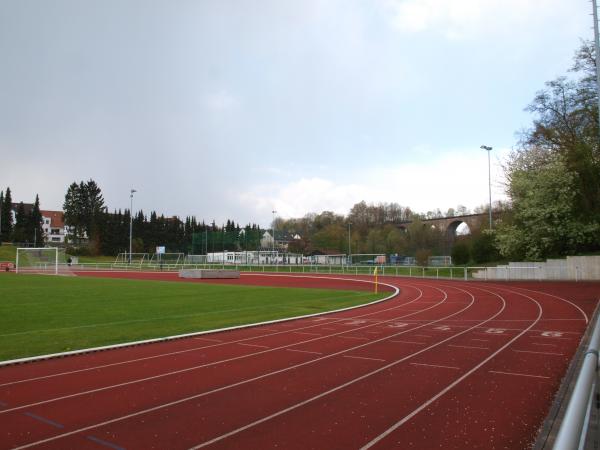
49, 260
132, 258
167, 258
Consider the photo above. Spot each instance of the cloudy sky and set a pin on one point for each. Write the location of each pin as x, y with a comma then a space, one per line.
233, 108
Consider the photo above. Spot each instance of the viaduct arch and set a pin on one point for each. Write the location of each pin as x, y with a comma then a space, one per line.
449, 225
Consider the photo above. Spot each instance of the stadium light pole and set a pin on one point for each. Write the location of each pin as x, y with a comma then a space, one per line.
489, 150
133, 191
597, 49
223, 242
273, 229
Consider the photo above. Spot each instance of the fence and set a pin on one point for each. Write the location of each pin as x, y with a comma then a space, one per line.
574, 268
579, 428
462, 273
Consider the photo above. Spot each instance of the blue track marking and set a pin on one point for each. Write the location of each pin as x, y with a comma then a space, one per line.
43, 419
105, 443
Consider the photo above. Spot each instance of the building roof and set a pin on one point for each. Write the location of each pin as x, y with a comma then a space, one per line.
57, 218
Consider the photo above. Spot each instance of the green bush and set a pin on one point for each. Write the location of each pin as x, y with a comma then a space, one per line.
461, 253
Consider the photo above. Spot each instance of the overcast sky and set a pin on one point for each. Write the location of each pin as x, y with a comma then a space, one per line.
232, 108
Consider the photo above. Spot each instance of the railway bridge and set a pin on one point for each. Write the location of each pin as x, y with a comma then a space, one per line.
449, 225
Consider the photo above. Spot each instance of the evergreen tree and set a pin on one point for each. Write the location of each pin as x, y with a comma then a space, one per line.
6, 216
93, 207
34, 225
73, 212
20, 230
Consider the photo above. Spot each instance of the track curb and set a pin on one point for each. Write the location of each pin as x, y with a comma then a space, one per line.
31, 359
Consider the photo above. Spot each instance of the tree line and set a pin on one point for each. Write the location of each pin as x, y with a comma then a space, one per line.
107, 233
27, 225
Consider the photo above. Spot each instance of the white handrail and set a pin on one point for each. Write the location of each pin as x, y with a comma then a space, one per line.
572, 432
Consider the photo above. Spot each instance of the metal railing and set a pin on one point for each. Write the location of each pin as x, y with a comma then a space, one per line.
573, 429
455, 273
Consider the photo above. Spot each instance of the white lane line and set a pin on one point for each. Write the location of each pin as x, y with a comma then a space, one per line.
469, 346
253, 345
303, 351
480, 340
435, 365
408, 342
160, 355
342, 386
559, 298
538, 353
395, 291
307, 334
210, 364
427, 403
328, 329
207, 339
243, 382
354, 337
363, 357
518, 374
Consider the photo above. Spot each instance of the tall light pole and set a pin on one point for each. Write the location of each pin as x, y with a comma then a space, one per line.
133, 191
349, 245
489, 150
274, 212
597, 48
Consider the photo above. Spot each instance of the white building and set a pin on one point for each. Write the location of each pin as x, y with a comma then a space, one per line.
53, 224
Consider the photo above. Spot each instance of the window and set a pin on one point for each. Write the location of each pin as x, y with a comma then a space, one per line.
55, 239
47, 221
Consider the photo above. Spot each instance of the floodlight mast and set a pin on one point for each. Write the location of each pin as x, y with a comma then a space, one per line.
597, 48
489, 150
273, 255
133, 191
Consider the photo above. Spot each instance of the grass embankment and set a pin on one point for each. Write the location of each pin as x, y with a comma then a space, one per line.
45, 314
8, 253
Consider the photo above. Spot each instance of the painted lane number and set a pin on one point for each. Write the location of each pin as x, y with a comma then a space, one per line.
495, 331
397, 325
552, 333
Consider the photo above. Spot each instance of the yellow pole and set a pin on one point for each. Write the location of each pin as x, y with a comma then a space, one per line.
375, 273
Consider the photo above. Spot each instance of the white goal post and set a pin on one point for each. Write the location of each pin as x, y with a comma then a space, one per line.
167, 258
131, 258
37, 260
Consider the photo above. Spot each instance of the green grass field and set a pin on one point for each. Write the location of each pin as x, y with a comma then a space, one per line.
45, 314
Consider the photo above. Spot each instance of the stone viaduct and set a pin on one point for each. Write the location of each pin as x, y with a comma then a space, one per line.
448, 225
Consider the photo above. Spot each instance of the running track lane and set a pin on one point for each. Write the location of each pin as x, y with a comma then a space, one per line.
445, 364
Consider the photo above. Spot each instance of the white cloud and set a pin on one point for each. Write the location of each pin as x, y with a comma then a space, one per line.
222, 100
457, 19
455, 178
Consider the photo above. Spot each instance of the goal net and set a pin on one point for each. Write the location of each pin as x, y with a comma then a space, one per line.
167, 258
132, 258
48, 260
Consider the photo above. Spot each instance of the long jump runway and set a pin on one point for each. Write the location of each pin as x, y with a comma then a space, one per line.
440, 365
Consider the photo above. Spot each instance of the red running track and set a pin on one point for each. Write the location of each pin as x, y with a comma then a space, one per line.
443, 364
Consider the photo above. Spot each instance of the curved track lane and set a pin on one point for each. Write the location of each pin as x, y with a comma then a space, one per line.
443, 364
